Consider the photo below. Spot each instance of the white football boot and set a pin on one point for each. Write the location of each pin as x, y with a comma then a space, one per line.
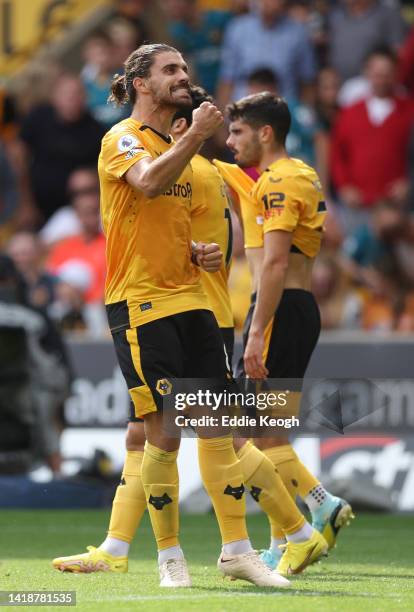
174, 573
250, 567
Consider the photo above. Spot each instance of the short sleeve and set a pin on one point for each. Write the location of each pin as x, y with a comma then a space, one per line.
120, 151
281, 204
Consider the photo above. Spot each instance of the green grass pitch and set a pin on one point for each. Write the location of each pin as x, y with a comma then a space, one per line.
372, 569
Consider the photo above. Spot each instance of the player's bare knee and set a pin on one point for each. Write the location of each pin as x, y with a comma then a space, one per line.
135, 437
155, 434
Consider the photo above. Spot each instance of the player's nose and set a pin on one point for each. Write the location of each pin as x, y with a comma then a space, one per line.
183, 76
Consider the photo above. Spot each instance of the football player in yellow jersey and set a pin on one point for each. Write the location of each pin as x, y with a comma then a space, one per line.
285, 223
210, 222
159, 315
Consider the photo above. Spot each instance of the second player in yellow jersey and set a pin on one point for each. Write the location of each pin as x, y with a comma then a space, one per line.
210, 222
213, 224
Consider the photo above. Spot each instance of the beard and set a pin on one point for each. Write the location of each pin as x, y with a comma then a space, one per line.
252, 154
167, 100
183, 104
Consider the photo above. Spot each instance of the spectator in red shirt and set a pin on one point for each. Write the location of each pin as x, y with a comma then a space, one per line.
85, 250
369, 154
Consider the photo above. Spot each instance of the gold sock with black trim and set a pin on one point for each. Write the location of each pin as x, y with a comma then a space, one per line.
222, 478
160, 481
296, 476
267, 488
129, 502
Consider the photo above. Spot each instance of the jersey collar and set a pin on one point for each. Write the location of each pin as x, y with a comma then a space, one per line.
276, 164
166, 139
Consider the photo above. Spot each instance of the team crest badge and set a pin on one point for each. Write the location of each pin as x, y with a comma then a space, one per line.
164, 386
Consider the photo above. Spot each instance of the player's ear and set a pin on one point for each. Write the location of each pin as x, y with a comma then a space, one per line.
266, 134
140, 84
178, 127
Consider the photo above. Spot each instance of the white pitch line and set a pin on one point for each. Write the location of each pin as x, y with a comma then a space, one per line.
231, 594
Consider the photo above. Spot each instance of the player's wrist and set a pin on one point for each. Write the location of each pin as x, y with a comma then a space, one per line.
196, 134
256, 331
194, 253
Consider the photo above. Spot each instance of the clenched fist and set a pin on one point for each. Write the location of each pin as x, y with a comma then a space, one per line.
206, 120
208, 256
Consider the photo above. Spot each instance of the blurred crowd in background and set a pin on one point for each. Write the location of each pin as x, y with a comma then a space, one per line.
346, 68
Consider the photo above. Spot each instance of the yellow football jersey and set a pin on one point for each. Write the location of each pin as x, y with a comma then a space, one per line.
148, 252
211, 222
251, 211
291, 195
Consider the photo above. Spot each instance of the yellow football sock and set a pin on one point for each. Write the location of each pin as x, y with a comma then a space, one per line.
160, 480
129, 502
223, 480
267, 488
296, 476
